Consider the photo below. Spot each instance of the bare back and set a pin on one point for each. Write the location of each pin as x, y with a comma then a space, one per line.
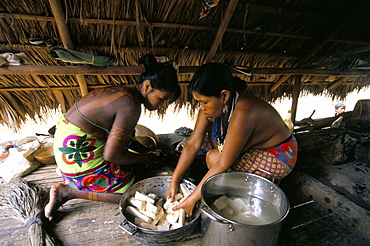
110, 108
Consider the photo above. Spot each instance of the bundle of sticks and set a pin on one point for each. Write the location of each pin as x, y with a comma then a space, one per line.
25, 201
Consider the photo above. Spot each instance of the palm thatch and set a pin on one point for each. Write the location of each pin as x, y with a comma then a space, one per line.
278, 47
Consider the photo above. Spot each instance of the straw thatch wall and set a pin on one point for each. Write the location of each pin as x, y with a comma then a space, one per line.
324, 43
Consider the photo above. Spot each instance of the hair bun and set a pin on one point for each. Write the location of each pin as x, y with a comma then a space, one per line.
150, 63
239, 84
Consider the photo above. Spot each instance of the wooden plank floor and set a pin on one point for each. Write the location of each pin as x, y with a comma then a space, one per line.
80, 218
82, 222
85, 222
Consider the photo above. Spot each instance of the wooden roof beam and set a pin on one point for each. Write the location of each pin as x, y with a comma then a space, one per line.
221, 30
319, 45
336, 83
137, 70
57, 9
171, 25
13, 89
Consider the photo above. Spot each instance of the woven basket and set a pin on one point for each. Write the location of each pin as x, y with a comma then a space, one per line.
45, 155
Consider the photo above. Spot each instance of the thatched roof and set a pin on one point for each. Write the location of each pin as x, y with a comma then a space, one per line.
278, 47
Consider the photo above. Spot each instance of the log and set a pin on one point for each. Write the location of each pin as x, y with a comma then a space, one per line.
333, 145
361, 114
316, 124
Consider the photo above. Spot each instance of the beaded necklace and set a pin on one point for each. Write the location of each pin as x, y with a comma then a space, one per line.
220, 128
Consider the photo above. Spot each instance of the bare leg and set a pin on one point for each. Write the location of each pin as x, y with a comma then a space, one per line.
60, 194
212, 157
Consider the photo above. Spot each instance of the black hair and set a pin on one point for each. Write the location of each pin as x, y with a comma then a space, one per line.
211, 78
162, 76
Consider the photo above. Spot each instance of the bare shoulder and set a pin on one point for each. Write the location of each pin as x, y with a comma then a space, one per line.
111, 93
252, 105
260, 119
113, 97
103, 106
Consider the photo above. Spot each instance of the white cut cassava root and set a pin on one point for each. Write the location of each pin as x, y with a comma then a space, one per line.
152, 214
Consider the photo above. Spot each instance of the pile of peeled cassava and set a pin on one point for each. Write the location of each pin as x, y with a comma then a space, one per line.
246, 210
152, 213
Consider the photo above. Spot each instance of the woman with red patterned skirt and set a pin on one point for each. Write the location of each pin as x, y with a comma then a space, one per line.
247, 134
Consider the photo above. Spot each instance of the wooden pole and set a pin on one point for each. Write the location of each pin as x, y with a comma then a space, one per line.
321, 44
172, 25
57, 9
221, 30
296, 91
136, 70
101, 86
139, 28
336, 83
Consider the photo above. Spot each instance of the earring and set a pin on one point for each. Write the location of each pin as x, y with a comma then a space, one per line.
225, 108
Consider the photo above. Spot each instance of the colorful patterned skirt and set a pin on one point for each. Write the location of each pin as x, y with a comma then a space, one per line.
278, 161
79, 156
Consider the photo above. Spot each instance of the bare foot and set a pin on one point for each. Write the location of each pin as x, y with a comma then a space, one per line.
59, 194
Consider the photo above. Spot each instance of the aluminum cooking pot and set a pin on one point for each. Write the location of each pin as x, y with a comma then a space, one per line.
157, 185
216, 229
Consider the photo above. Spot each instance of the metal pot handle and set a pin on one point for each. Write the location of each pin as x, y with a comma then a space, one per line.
205, 210
129, 229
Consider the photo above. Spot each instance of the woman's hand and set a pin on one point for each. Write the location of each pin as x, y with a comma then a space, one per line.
188, 205
172, 190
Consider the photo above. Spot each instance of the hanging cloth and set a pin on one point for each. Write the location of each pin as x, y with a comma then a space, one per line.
17, 59
74, 56
206, 7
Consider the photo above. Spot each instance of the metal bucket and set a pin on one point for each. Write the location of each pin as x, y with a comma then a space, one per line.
219, 230
159, 186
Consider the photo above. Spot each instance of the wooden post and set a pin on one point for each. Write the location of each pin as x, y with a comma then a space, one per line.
57, 9
296, 91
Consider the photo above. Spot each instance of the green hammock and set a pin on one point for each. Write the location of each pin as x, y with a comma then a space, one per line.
74, 56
